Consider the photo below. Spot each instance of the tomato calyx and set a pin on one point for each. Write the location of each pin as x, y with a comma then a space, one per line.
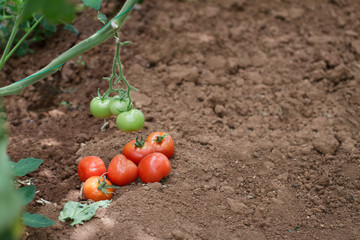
125, 97
159, 139
164, 179
103, 186
139, 142
104, 96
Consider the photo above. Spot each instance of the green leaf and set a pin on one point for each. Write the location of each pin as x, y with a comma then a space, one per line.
56, 11
12, 164
71, 28
48, 25
80, 212
27, 194
24, 166
22, 50
102, 17
96, 4
36, 220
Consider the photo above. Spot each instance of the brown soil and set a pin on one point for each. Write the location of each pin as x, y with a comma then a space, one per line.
261, 97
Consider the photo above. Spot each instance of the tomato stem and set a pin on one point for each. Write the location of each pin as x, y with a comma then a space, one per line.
102, 185
11, 38
122, 77
118, 77
159, 139
100, 36
139, 142
21, 41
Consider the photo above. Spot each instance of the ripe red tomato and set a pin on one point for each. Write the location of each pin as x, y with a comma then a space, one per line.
90, 166
135, 150
162, 143
94, 187
154, 167
122, 171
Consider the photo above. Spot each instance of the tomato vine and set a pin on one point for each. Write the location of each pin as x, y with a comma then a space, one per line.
107, 31
117, 75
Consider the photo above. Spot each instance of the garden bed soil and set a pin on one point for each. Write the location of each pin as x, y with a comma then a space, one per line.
262, 99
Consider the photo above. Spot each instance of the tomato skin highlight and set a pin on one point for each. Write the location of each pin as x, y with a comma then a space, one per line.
100, 108
154, 167
130, 121
122, 171
166, 146
92, 192
90, 166
135, 153
118, 106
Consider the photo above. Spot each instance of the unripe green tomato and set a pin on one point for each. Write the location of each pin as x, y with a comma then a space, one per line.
100, 108
130, 121
118, 106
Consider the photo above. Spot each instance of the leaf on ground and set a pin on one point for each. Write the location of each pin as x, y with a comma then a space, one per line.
27, 194
25, 166
79, 212
36, 220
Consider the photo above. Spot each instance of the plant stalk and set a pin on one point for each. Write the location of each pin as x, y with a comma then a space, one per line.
100, 36
11, 39
23, 39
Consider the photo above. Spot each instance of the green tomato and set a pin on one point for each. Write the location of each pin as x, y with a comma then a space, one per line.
118, 106
100, 107
130, 121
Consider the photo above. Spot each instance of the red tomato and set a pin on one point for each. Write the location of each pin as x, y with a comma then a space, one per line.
154, 167
94, 187
162, 143
135, 150
122, 171
90, 166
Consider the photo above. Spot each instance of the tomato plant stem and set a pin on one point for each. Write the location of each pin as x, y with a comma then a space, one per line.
100, 36
11, 39
119, 77
122, 77
23, 39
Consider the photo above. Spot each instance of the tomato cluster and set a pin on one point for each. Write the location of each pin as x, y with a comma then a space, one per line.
147, 159
127, 118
